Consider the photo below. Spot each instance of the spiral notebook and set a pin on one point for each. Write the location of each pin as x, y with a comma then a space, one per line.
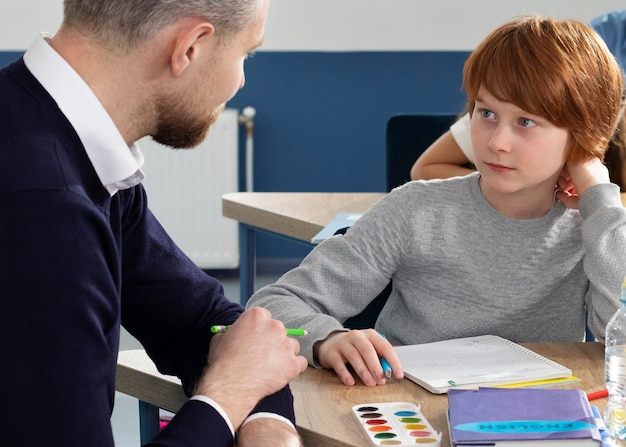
470, 362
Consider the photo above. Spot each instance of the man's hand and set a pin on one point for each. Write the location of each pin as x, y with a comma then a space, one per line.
265, 432
253, 359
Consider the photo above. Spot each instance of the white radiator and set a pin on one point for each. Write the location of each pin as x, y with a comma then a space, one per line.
185, 189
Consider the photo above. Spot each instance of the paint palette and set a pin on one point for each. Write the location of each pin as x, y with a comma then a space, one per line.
396, 423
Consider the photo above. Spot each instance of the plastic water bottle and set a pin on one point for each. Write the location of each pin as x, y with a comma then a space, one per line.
615, 373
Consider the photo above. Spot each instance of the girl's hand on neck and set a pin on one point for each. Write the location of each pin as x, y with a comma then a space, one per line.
577, 177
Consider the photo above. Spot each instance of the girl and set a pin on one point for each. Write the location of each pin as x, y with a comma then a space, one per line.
531, 247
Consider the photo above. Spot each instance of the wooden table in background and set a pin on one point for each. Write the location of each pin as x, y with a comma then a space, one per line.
295, 215
323, 404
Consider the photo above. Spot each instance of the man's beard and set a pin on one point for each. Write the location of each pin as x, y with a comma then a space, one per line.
177, 128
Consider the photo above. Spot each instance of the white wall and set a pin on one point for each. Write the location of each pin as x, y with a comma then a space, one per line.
21, 20
406, 24
345, 25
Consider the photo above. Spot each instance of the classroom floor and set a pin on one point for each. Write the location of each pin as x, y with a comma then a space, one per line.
125, 418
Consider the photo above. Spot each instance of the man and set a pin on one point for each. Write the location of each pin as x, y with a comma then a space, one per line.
81, 252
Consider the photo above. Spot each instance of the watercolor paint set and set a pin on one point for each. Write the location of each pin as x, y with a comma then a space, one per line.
396, 423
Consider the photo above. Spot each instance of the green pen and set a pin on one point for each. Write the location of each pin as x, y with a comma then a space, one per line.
219, 329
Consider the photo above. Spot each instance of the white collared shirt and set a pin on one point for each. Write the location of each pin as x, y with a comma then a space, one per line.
117, 165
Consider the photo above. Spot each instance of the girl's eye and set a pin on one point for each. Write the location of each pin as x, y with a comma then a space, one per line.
525, 122
488, 114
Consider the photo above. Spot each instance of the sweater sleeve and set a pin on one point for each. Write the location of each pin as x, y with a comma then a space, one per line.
168, 303
195, 424
604, 241
341, 276
183, 303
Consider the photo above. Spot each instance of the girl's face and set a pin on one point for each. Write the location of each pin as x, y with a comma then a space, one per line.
519, 156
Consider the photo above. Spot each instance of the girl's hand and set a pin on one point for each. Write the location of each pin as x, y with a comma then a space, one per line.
361, 349
577, 177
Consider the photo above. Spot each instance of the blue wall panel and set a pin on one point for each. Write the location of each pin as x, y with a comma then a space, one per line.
8, 56
321, 117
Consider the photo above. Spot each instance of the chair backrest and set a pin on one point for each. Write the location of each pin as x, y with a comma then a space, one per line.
407, 136
368, 316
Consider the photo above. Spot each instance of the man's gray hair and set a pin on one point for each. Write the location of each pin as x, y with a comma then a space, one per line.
124, 24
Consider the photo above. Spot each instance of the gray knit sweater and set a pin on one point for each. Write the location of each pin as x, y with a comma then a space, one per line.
459, 268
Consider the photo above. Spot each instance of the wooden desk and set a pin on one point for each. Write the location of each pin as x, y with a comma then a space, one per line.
323, 405
295, 215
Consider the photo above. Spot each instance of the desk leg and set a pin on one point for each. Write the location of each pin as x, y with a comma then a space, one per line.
247, 259
148, 421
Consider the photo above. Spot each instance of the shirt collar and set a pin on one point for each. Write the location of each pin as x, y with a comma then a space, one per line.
117, 165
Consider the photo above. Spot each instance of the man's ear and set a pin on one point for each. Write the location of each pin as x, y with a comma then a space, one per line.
188, 45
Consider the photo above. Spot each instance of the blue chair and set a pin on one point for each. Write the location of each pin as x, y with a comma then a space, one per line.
407, 137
